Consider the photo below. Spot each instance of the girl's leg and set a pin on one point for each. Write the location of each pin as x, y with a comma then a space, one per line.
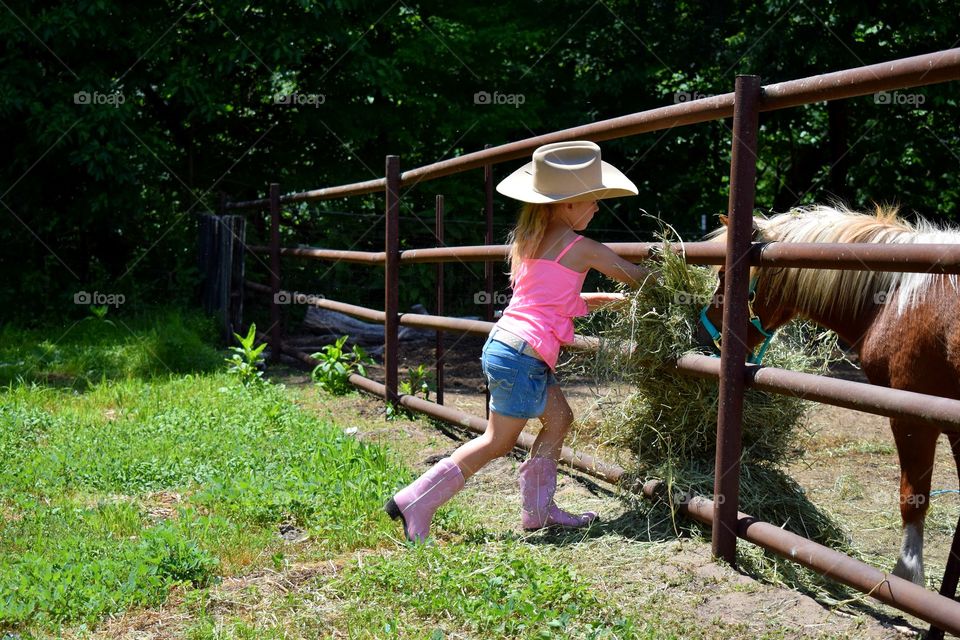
538, 474
498, 440
556, 420
416, 503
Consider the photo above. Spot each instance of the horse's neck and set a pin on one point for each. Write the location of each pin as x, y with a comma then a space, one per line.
851, 330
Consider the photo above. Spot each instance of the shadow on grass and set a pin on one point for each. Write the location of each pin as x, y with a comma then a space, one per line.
93, 350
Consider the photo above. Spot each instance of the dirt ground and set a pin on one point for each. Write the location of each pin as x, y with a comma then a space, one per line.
850, 469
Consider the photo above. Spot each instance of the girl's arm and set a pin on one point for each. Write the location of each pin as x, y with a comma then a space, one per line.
603, 259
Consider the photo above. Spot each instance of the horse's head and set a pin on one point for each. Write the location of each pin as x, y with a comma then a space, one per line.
766, 312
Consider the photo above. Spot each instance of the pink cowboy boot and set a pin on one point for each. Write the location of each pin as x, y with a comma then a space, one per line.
417, 503
538, 483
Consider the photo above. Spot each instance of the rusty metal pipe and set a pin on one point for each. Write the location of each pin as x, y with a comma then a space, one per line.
488, 238
861, 396
935, 258
930, 68
391, 278
359, 257
743, 171
364, 313
444, 323
440, 299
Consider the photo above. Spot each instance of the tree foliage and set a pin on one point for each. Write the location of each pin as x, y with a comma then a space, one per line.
124, 121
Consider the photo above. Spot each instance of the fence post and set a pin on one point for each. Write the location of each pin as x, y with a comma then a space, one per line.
220, 258
440, 334
275, 334
743, 171
392, 280
235, 251
488, 237
488, 265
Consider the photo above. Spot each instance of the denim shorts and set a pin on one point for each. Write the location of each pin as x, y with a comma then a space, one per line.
517, 382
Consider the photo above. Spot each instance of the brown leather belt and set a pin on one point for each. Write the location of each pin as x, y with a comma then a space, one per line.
515, 341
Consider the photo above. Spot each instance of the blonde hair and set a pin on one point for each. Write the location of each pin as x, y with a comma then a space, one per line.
526, 236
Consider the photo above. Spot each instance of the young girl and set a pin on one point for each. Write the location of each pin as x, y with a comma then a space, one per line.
548, 263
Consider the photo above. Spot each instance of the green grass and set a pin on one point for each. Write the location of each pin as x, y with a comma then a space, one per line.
129, 476
90, 455
76, 539
132, 486
493, 590
92, 350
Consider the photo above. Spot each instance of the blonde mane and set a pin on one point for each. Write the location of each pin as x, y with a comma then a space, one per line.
820, 292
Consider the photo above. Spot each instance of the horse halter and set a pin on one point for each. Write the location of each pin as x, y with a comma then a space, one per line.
715, 335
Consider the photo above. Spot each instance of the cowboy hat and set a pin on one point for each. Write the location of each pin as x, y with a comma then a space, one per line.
566, 172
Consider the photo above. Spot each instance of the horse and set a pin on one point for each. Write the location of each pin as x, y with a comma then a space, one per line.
905, 328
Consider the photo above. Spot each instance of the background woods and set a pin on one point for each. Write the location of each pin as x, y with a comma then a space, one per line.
123, 122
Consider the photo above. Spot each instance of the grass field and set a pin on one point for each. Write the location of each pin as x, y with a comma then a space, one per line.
148, 494
141, 479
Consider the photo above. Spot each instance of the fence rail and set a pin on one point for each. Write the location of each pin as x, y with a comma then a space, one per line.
744, 104
932, 258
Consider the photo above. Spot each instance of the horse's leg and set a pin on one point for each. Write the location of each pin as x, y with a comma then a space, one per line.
950, 576
916, 445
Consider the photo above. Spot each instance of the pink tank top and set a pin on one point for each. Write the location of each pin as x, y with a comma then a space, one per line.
546, 299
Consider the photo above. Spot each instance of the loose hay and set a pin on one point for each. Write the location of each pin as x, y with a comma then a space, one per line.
671, 418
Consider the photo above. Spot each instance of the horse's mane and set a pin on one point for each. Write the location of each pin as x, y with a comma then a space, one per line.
825, 291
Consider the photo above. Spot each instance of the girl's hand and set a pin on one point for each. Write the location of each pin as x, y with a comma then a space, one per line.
599, 299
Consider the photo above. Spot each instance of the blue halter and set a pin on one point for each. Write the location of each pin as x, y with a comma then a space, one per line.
715, 335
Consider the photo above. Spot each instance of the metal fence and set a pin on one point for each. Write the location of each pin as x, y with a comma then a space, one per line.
744, 104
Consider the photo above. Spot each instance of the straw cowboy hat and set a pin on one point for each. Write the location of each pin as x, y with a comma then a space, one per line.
566, 172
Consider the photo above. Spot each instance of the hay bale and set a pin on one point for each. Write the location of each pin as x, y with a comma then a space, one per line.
672, 417
667, 421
